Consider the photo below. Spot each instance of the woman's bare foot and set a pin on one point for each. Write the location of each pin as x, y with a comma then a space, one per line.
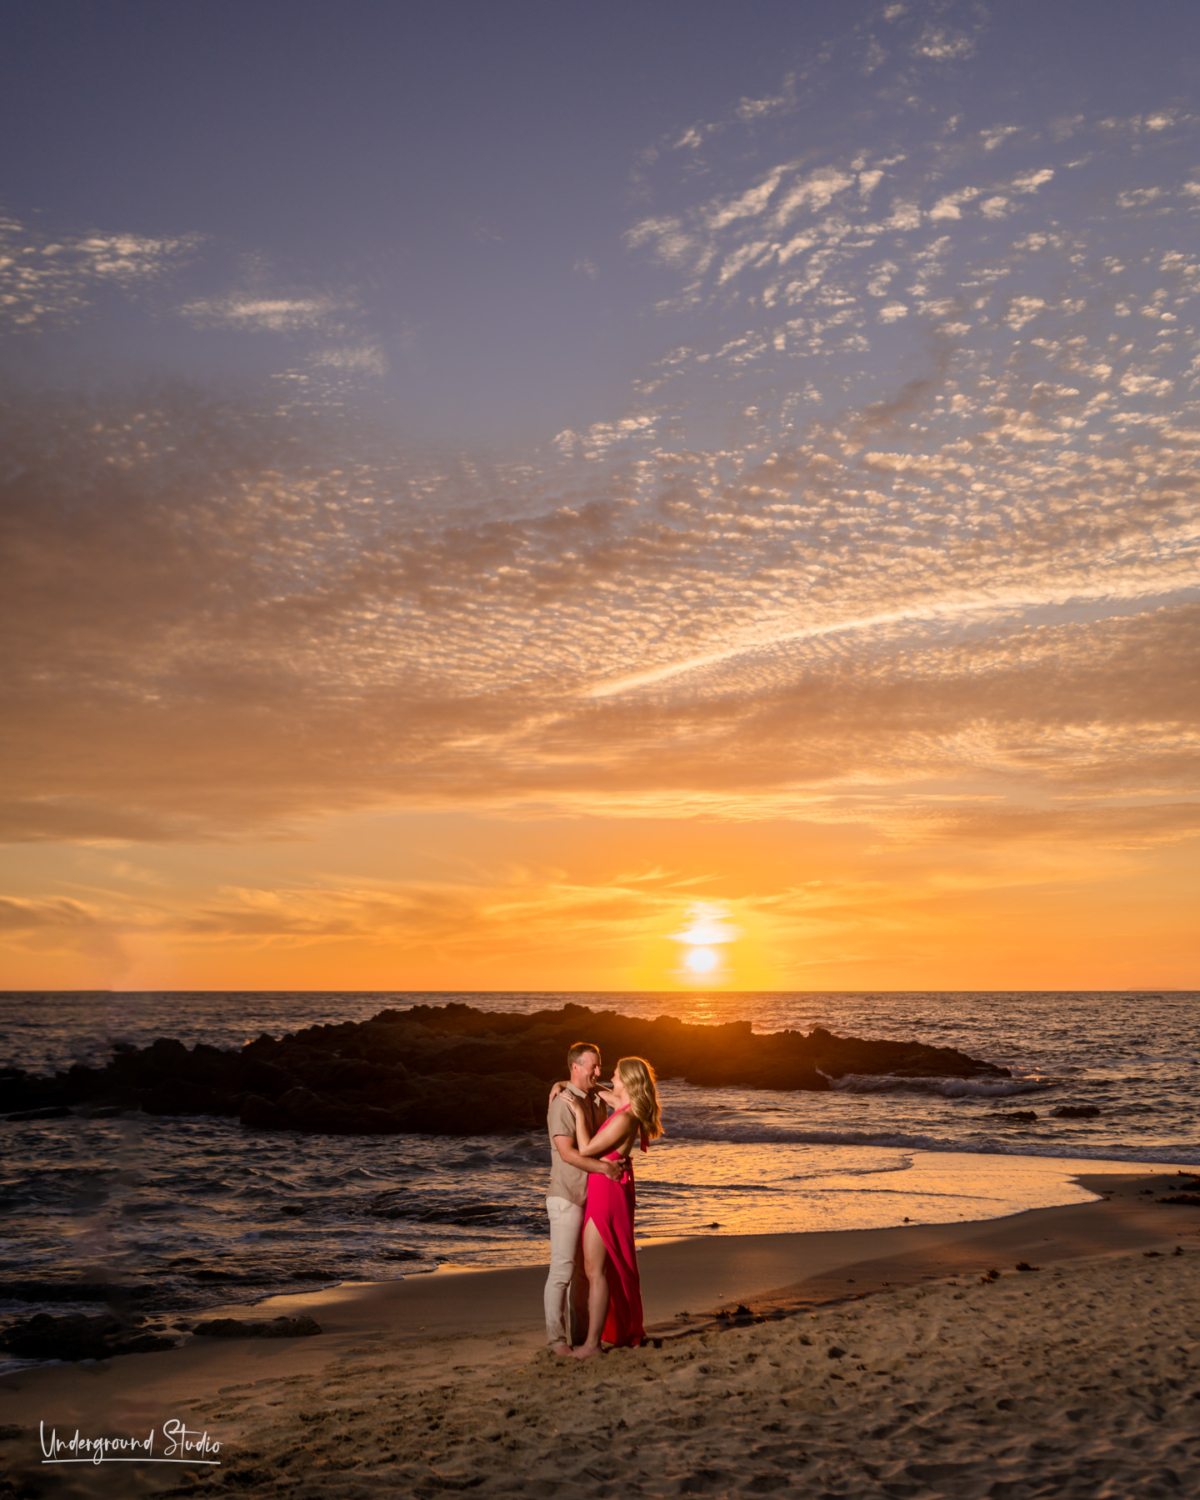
562, 1349
585, 1351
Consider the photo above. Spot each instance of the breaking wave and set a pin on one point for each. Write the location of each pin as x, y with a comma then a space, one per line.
947, 1088
755, 1133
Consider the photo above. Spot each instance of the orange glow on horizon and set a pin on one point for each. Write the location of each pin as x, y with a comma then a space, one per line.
848, 912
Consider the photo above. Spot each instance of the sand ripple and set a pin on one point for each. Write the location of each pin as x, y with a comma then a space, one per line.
1077, 1381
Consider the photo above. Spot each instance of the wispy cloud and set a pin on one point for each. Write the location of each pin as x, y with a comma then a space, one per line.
47, 280
263, 314
26, 916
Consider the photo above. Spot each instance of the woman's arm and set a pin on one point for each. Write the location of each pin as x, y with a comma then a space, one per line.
569, 1154
616, 1131
603, 1089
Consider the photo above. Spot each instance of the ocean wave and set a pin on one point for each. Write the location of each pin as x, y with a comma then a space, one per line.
768, 1135
485, 1214
948, 1088
271, 1233
902, 1165
469, 1163
757, 1134
665, 1187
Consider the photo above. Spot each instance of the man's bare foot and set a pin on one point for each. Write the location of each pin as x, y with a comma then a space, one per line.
562, 1349
583, 1352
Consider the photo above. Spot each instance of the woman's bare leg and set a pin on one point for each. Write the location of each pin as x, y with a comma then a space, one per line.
595, 1261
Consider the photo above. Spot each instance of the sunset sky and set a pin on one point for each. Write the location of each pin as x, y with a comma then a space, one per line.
541, 495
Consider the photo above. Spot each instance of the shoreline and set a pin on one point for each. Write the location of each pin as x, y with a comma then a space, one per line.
464, 1319
934, 1187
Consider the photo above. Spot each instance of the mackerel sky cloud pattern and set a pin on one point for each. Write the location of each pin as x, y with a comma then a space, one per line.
891, 523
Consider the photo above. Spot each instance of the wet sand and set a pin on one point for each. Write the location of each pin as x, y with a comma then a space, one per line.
1079, 1378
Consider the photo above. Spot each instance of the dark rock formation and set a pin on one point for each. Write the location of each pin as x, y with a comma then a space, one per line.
28, 1289
1076, 1111
77, 1336
453, 1070
273, 1328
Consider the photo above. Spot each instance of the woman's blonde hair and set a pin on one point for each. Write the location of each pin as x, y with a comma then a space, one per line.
639, 1079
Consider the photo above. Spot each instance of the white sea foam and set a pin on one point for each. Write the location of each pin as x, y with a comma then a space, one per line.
758, 1134
948, 1088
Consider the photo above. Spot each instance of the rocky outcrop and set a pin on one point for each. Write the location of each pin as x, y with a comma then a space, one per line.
34, 1289
77, 1336
452, 1069
266, 1328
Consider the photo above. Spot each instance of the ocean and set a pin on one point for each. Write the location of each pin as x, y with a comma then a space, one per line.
196, 1212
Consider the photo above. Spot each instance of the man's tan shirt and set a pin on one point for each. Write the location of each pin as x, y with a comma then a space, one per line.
567, 1181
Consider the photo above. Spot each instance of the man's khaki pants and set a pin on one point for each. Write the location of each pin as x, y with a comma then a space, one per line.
566, 1285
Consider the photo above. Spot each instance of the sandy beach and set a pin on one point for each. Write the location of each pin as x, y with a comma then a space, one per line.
845, 1363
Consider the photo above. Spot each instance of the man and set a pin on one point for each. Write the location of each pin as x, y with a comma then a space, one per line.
566, 1285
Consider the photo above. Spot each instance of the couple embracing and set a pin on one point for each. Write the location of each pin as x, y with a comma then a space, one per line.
593, 1281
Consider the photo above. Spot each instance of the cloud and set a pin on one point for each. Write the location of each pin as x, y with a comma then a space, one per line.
53, 282
262, 314
906, 512
941, 44
50, 280
220, 629
366, 359
31, 916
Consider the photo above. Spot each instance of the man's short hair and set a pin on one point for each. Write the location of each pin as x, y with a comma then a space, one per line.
577, 1049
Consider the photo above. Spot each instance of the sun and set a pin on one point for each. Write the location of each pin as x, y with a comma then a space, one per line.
701, 960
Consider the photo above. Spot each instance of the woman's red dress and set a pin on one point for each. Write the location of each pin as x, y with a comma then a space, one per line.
610, 1206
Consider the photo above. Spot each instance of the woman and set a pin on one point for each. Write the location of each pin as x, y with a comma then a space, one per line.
609, 1257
